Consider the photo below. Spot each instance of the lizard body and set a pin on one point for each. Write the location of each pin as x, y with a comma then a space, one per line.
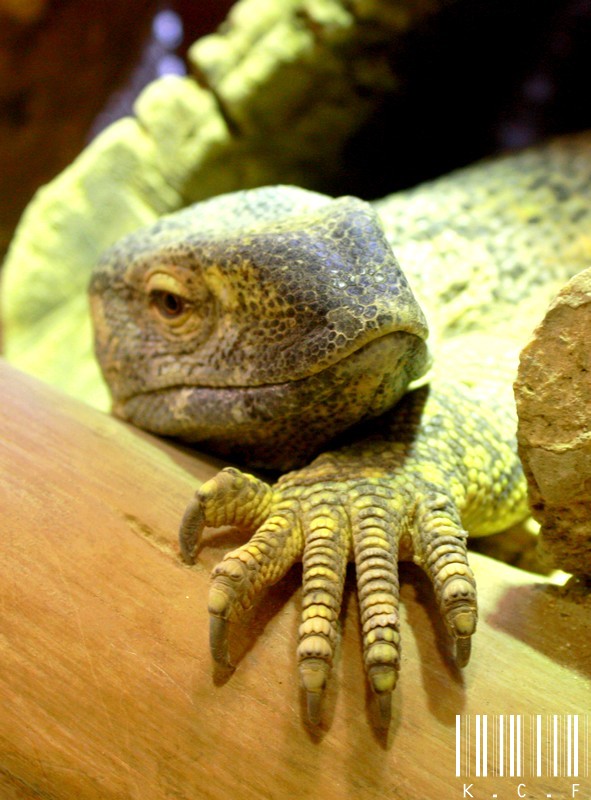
213, 289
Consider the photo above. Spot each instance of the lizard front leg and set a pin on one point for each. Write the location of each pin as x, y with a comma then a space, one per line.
405, 491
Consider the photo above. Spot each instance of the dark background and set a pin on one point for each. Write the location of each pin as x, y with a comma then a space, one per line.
475, 78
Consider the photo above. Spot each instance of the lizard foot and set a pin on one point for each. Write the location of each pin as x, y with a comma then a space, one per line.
326, 522
393, 495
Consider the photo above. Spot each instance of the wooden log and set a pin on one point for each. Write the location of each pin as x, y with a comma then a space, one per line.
106, 685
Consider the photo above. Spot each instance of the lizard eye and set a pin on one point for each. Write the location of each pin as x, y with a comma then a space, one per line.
168, 298
169, 305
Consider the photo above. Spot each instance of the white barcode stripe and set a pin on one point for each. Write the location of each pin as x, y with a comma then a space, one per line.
564, 746
555, 740
539, 745
534, 744
569, 747
548, 744
501, 746
458, 745
468, 745
511, 745
576, 745
485, 746
477, 735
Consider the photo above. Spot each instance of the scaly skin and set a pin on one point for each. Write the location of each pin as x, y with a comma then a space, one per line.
437, 464
293, 322
408, 484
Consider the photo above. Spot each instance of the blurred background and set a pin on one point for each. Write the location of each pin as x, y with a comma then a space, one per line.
475, 78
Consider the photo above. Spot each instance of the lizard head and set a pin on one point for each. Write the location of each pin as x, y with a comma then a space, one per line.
260, 323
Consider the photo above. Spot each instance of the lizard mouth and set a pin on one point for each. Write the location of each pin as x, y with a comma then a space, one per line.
282, 425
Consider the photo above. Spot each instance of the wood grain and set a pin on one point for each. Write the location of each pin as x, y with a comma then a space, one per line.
106, 685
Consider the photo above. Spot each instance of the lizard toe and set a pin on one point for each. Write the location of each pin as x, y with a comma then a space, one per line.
326, 552
376, 529
440, 548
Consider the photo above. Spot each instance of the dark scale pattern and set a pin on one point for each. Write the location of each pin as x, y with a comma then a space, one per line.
299, 322
509, 231
303, 326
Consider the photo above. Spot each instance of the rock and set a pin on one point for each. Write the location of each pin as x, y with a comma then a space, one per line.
59, 62
553, 395
125, 179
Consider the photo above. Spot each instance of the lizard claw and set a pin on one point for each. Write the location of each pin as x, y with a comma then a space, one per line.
191, 529
314, 707
461, 621
314, 674
230, 580
463, 648
218, 642
384, 709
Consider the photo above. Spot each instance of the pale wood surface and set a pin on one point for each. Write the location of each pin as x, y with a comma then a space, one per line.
106, 686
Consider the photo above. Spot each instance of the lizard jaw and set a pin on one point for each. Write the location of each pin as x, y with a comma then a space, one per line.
280, 426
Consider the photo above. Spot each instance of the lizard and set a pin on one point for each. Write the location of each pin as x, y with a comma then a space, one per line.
276, 327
